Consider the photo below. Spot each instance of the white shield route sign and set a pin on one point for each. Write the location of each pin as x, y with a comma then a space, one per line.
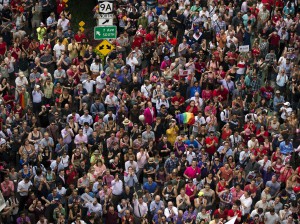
106, 7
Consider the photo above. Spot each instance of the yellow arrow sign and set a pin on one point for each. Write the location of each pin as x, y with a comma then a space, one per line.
65, 1
104, 47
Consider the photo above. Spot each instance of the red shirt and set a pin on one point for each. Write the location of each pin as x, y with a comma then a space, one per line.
223, 93
279, 4
223, 215
2, 48
60, 7
274, 40
232, 57
173, 41
194, 110
232, 213
161, 39
268, 3
137, 42
79, 38
15, 52
276, 18
261, 138
180, 99
208, 141
251, 190
44, 47
150, 37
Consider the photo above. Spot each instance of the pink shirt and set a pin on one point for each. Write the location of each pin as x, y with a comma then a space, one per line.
192, 172
79, 139
141, 159
7, 188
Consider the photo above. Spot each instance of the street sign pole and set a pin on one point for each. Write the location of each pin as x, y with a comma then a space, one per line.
105, 29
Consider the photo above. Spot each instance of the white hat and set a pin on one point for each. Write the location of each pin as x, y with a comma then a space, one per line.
37, 86
126, 121
141, 117
287, 104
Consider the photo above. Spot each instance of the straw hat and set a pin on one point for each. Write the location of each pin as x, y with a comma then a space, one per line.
126, 121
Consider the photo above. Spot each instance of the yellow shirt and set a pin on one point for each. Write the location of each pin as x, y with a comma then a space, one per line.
172, 134
41, 31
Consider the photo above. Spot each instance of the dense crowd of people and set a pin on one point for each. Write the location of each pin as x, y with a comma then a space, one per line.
193, 118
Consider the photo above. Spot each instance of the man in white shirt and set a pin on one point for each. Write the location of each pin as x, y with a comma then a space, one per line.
23, 189
58, 48
131, 163
199, 120
86, 117
117, 189
37, 96
286, 110
235, 139
140, 209
132, 61
271, 217
171, 212
265, 163
21, 82
246, 202
253, 143
89, 84
146, 89
96, 67
111, 101
63, 22
95, 208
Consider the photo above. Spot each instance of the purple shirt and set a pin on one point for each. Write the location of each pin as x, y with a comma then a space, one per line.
23, 221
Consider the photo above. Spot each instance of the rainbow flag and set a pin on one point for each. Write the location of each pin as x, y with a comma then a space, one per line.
186, 118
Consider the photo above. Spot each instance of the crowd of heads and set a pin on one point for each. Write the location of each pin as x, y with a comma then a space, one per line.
192, 117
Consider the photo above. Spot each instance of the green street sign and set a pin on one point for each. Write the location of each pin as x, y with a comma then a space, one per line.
105, 32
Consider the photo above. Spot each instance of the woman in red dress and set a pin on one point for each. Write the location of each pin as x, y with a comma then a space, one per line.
226, 132
220, 186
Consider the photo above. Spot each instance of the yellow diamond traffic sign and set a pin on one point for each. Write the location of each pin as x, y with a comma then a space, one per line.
81, 23
104, 47
65, 1
81, 29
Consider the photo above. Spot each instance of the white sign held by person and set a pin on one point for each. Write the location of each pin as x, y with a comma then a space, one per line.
231, 221
87, 198
244, 48
2, 202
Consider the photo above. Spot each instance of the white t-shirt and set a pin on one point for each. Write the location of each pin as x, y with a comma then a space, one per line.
132, 62
270, 219
261, 163
64, 24
247, 202
58, 48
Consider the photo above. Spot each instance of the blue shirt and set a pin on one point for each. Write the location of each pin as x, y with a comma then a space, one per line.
151, 188
194, 89
194, 143
286, 149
